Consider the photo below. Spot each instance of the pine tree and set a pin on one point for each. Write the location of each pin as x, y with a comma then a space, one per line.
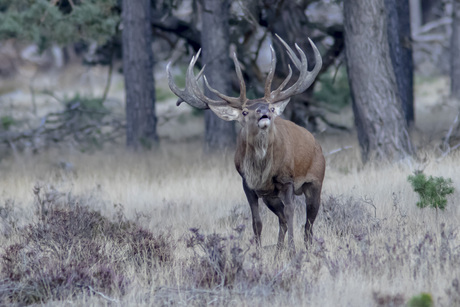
58, 21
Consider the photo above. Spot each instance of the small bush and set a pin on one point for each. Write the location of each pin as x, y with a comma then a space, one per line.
422, 300
432, 191
6, 122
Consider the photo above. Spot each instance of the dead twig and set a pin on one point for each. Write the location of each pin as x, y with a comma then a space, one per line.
338, 150
446, 148
103, 295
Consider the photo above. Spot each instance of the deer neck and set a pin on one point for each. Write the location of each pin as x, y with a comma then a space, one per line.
258, 159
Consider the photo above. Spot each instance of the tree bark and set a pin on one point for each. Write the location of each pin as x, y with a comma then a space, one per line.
219, 135
399, 37
382, 129
138, 71
455, 51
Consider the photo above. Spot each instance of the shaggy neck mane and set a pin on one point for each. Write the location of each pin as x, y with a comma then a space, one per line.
258, 159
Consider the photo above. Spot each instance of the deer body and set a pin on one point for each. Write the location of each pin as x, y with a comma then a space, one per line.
289, 153
275, 165
276, 158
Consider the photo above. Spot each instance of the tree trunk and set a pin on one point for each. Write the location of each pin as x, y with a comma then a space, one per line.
220, 135
455, 51
382, 129
399, 37
138, 71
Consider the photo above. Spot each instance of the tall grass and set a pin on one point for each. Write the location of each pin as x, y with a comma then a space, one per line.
173, 227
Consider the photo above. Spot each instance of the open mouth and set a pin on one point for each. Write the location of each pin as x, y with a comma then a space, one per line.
264, 121
264, 117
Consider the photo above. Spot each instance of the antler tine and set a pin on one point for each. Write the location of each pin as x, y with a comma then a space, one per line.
233, 101
239, 74
192, 93
191, 82
291, 53
305, 79
271, 74
184, 95
282, 85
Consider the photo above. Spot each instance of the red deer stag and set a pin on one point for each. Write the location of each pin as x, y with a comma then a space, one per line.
275, 157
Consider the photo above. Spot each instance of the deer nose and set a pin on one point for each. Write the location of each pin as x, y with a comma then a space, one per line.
262, 110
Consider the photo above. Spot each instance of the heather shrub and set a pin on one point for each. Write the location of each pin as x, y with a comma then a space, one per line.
8, 220
386, 300
224, 262
217, 259
73, 249
349, 215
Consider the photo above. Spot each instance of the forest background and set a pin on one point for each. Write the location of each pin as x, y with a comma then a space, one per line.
111, 193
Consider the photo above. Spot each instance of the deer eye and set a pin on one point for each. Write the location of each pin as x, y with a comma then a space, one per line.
273, 110
244, 113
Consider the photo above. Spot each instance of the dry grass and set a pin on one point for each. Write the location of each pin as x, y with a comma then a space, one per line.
173, 228
372, 245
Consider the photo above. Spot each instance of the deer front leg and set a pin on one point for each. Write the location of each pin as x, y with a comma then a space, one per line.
287, 197
254, 204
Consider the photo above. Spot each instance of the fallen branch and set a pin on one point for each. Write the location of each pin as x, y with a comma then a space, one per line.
103, 295
76, 124
338, 150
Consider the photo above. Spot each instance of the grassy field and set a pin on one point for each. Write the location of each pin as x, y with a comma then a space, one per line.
173, 227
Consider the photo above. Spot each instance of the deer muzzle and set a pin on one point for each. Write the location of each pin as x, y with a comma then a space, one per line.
264, 121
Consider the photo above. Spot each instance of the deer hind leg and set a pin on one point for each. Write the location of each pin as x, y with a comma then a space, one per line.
312, 193
254, 204
287, 196
276, 206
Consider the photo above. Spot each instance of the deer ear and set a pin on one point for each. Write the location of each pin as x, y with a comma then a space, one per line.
226, 112
279, 106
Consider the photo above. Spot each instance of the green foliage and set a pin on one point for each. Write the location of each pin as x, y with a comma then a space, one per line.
42, 22
421, 300
432, 190
333, 89
6, 122
88, 107
161, 94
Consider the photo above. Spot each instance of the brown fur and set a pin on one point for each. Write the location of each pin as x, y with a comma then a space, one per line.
292, 155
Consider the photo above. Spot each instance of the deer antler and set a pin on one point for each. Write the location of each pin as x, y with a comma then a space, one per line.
233, 101
192, 93
305, 79
194, 96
